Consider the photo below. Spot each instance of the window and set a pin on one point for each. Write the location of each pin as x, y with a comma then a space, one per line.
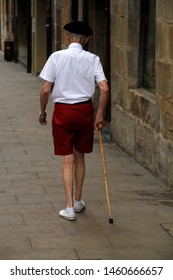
147, 45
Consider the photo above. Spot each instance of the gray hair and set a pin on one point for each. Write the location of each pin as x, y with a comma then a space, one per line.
77, 36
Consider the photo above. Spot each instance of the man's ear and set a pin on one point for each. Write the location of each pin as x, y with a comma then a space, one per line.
67, 34
86, 40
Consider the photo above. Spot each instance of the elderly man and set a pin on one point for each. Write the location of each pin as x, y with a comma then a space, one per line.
71, 75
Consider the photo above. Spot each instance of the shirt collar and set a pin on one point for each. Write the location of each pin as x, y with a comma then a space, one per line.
75, 45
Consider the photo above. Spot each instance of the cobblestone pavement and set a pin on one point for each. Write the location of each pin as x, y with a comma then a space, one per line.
31, 191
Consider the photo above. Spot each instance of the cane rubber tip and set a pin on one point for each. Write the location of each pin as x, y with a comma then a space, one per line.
111, 221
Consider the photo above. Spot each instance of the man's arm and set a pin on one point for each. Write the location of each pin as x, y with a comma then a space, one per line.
103, 100
44, 97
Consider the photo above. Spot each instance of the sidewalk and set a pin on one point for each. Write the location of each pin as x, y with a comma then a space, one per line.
31, 191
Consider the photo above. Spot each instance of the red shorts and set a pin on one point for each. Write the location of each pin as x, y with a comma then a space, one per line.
73, 127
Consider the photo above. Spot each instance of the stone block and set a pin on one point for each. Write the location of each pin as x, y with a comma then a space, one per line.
161, 157
135, 104
120, 25
118, 126
170, 42
122, 7
132, 33
139, 142
133, 83
143, 106
145, 146
115, 85
149, 112
130, 135
166, 117
160, 9
168, 9
134, 7
113, 58
149, 148
123, 130
120, 60
154, 116
121, 94
132, 62
170, 163
164, 78
162, 40
113, 30
113, 7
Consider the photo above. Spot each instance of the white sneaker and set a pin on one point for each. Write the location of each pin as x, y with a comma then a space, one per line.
79, 206
68, 215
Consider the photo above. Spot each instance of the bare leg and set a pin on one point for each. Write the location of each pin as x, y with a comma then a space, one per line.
68, 166
79, 173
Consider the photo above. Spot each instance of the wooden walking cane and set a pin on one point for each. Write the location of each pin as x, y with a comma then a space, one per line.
105, 177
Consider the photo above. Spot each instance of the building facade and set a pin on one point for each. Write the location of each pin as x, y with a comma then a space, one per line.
134, 39
141, 75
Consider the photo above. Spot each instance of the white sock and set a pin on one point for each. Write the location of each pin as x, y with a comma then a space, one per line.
69, 209
78, 202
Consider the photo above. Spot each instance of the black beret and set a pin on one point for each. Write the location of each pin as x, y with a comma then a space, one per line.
78, 27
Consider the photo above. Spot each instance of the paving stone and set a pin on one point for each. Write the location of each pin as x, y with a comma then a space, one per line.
22, 188
165, 251
118, 253
3, 170
22, 176
168, 228
52, 241
10, 244
10, 219
47, 174
40, 217
36, 198
53, 254
7, 200
29, 230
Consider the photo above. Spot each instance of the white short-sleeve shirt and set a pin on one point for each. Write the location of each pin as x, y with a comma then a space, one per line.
74, 73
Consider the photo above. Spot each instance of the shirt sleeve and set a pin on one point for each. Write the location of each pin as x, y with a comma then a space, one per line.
48, 71
98, 71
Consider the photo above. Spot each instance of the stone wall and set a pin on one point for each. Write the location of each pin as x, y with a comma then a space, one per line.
164, 70
142, 122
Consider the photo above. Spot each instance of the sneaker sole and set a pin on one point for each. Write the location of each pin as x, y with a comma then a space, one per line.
79, 211
68, 218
